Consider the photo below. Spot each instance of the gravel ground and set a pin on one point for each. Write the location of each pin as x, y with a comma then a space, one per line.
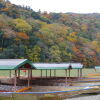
9, 88
49, 88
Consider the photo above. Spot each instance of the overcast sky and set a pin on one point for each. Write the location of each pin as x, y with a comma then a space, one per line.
77, 6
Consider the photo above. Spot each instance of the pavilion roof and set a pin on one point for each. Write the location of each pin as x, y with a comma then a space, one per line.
13, 64
97, 67
57, 65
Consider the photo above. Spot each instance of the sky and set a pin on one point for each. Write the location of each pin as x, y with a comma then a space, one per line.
76, 6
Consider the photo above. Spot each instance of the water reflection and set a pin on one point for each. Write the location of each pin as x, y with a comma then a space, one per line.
35, 97
48, 97
15, 96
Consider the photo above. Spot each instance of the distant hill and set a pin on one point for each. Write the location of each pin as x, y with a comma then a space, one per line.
49, 37
95, 15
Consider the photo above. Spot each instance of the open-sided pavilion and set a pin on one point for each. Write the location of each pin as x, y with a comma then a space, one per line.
59, 66
17, 65
24, 64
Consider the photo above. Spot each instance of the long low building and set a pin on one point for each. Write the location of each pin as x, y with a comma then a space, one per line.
24, 64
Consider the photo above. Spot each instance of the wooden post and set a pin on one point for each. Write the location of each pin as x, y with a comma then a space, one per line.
15, 81
19, 73
66, 72
10, 73
78, 73
54, 72
41, 73
66, 76
69, 73
46, 73
81, 73
28, 77
50, 73
31, 74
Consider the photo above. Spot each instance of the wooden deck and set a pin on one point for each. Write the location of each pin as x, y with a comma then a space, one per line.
49, 81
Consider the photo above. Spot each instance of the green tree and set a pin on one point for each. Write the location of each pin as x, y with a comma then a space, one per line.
34, 53
55, 54
21, 25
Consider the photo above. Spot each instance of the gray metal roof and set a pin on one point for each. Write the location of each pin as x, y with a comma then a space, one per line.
97, 67
12, 64
76, 65
11, 61
50, 66
57, 65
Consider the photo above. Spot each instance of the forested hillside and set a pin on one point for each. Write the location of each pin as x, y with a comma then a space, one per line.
49, 37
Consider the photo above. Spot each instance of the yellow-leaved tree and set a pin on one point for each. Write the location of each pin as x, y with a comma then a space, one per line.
21, 25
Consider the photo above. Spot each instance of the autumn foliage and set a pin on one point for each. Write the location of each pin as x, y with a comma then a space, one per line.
49, 37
